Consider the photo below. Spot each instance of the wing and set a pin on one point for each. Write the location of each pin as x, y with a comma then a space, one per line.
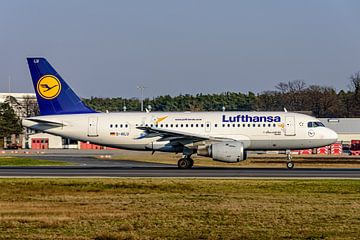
178, 136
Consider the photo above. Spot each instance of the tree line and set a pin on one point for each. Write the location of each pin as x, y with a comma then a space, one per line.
295, 95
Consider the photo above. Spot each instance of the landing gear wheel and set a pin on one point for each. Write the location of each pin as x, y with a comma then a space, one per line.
191, 162
290, 165
185, 163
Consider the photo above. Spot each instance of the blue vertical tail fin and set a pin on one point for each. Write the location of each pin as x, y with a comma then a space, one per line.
53, 94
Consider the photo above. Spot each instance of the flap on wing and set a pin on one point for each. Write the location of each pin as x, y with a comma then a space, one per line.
173, 135
166, 133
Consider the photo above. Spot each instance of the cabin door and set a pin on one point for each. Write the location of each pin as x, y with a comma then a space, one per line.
92, 127
290, 126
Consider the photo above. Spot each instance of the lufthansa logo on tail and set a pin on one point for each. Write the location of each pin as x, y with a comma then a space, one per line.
48, 87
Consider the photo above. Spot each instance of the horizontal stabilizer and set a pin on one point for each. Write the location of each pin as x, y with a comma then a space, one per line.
47, 122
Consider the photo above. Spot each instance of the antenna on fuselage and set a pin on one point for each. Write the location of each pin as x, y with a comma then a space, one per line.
285, 110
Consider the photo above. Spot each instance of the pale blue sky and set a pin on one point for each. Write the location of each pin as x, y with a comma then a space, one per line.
106, 48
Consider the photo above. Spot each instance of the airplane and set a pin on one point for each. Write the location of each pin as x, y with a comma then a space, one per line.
222, 136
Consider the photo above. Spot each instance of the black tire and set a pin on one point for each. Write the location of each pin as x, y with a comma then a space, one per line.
183, 163
191, 163
290, 165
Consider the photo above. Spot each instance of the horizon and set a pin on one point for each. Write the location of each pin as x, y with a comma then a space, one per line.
185, 47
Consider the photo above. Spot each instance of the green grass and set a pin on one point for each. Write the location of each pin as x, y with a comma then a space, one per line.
16, 161
179, 209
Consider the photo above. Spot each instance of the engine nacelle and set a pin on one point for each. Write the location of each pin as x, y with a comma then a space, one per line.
224, 151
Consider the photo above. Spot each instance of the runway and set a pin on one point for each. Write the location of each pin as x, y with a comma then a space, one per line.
126, 171
86, 166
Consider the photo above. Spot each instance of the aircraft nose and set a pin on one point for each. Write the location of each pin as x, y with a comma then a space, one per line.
332, 135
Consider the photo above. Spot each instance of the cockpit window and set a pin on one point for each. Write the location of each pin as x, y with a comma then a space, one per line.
315, 124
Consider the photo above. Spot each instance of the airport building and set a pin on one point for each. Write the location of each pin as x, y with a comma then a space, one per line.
348, 129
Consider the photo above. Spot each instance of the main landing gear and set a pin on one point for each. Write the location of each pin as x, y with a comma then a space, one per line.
290, 163
185, 162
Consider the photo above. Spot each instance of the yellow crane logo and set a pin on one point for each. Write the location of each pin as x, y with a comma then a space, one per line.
48, 87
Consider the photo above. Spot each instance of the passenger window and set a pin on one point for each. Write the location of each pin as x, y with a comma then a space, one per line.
111, 125
234, 125
239, 125
181, 125
207, 125
202, 125
176, 125
192, 125
244, 125
259, 125
161, 125
215, 125
171, 125
223, 125
249, 125
228, 125
166, 125
186, 125
116, 125
264, 125
254, 125
269, 125
274, 125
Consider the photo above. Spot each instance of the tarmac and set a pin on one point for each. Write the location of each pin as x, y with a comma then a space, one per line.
85, 165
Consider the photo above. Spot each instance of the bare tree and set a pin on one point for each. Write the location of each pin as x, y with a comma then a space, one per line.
355, 87
296, 85
30, 106
282, 87
355, 83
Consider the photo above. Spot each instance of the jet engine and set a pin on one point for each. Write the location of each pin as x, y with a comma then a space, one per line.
224, 151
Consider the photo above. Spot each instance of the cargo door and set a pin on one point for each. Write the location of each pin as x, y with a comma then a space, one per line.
93, 127
290, 126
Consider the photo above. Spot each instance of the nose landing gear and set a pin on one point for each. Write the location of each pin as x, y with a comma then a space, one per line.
290, 163
185, 162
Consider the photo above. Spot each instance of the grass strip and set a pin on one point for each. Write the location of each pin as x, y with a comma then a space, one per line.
19, 161
179, 209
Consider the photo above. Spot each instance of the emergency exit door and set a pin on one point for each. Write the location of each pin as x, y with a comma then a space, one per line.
93, 127
290, 126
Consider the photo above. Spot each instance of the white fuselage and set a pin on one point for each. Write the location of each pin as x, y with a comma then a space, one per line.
257, 130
